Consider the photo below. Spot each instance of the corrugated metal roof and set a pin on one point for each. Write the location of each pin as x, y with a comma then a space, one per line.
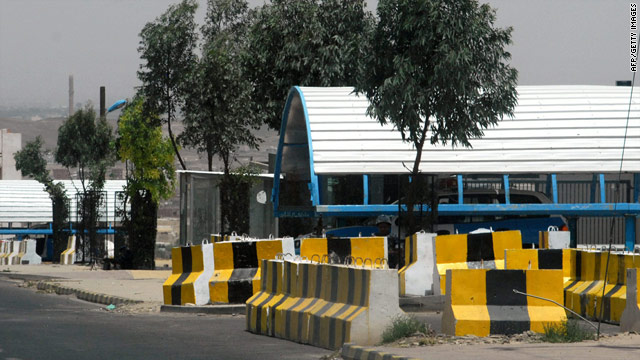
26, 201
555, 129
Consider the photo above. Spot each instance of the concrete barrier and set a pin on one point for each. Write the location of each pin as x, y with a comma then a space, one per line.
473, 251
11, 257
482, 302
30, 256
4, 246
68, 256
192, 267
543, 259
237, 272
554, 239
324, 305
220, 238
417, 276
584, 293
630, 319
337, 250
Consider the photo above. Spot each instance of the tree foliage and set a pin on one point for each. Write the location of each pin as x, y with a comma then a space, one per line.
217, 118
303, 42
88, 145
167, 48
31, 162
150, 178
438, 71
141, 143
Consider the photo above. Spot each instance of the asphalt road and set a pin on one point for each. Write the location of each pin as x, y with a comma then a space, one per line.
36, 325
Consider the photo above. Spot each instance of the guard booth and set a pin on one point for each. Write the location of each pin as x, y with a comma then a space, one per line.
200, 206
575, 144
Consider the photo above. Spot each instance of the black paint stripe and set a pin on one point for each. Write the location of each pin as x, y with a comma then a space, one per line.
566, 292
340, 247
318, 287
333, 340
583, 298
364, 290
622, 270
507, 310
350, 285
272, 315
550, 259
244, 255
301, 314
176, 287
259, 313
607, 302
303, 273
333, 278
287, 325
314, 324
480, 247
579, 265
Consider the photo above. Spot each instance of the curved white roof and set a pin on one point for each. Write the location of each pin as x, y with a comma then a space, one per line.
26, 200
555, 129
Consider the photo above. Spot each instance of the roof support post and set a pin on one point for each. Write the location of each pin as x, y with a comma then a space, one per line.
636, 188
593, 188
603, 192
554, 188
365, 189
629, 232
505, 185
573, 232
460, 186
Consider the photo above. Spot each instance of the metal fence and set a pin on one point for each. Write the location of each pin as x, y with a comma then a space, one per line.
590, 230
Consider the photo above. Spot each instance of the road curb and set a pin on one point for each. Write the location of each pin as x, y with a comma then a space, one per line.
354, 352
235, 309
85, 295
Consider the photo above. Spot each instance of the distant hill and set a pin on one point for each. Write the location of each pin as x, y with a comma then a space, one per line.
48, 129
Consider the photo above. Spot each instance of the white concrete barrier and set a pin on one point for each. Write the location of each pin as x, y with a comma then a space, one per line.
419, 276
30, 256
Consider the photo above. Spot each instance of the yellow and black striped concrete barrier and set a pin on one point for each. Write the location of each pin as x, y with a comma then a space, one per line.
584, 293
237, 267
11, 253
482, 302
192, 267
630, 319
4, 250
324, 305
68, 256
473, 251
543, 259
417, 276
337, 250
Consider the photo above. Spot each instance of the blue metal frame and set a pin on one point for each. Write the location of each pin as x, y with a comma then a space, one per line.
507, 199
313, 185
365, 189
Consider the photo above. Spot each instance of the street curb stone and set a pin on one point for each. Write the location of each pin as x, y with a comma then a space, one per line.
85, 295
237, 309
354, 352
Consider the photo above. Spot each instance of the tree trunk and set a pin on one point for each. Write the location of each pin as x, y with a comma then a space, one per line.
173, 141
142, 230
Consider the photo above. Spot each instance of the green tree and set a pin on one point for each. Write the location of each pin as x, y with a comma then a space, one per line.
303, 42
438, 71
150, 177
88, 145
167, 48
217, 118
31, 162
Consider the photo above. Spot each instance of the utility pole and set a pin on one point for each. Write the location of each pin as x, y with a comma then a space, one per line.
70, 95
103, 108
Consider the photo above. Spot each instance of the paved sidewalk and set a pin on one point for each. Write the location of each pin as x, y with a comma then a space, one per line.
136, 285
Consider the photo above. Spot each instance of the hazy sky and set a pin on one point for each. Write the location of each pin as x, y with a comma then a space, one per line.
42, 42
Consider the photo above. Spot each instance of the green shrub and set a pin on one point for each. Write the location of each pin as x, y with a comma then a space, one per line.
403, 326
565, 332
